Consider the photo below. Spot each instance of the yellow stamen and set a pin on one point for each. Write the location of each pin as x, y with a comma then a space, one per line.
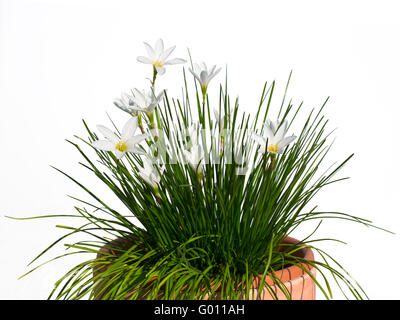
273, 147
157, 63
121, 146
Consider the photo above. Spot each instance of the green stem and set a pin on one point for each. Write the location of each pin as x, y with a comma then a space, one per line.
158, 198
221, 146
140, 123
151, 119
200, 178
152, 123
204, 109
154, 76
273, 160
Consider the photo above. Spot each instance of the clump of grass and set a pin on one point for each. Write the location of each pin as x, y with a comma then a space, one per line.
204, 233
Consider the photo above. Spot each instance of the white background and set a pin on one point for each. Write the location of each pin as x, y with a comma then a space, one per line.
61, 61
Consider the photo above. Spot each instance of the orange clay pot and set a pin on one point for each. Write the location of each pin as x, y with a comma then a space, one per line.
299, 283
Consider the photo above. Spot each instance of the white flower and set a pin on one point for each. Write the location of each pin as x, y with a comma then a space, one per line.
146, 102
127, 142
193, 135
275, 137
157, 56
204, 75
125, 103
195, 158
220, 118
150, 173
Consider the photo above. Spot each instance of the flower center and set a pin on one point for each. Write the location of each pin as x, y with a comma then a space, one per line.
121, 146
158, 63
273, 147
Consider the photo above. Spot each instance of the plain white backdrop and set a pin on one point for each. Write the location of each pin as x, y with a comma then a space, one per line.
63, 61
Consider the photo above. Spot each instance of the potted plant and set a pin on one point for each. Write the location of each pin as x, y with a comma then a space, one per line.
217, 192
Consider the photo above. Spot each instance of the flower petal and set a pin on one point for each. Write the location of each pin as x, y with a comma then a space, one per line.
204, 77
135, 140
160, 96
160, 70
261, 149
195, 75
284, 142
120, 104
197, 68
212, 69
137, 151
108, 134
259, 139
119, 154
145, 60
216, 114
129, 128
104, 145
155, 100
158, 48
280, 134
268, 131
273, 125
167, 53
139, 98
138, 109
147, 179
149, 49
213, 74
175, 61
147, 166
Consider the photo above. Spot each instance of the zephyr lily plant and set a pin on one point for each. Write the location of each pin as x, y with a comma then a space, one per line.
150, 173
157, 56
146, 102
275, 140
126, 143
125, 103
220, 117
206, 217
195, 158
204, 75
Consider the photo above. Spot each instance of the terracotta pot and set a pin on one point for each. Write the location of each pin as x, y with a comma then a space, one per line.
299, 283
296, 280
